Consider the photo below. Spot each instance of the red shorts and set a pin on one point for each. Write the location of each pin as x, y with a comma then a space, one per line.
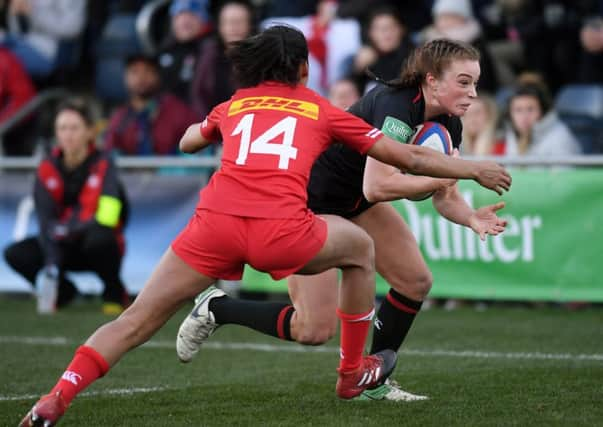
219, 245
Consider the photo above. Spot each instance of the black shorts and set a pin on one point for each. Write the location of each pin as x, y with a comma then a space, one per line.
328, 207
331, 193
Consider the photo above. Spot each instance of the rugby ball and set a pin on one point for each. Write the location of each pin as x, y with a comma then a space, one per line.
435, 136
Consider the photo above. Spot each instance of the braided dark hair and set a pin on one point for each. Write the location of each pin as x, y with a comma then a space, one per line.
275, 54
433, 57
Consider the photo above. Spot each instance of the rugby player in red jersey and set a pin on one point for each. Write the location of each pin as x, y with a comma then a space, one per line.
436, 84
254, 211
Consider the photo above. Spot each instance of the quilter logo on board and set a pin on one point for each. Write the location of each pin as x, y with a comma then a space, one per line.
442, 240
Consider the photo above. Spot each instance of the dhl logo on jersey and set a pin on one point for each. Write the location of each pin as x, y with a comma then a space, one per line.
303, 108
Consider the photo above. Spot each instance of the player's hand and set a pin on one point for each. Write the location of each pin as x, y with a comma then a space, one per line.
485, 221
493, 176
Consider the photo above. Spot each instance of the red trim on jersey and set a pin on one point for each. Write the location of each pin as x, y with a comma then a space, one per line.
51, 180
400, 306
280, 327
417, 97
92, 189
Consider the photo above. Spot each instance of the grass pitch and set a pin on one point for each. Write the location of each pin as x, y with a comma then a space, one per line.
501, 367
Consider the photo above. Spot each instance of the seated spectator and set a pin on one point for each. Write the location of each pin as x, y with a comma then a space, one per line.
533, 127
276, 8
591, 61
214, 82
479, 127
387, 48
81, 210
38, 27
344, 93
151, 122
16, 89
332, 43
454, 19
179, 55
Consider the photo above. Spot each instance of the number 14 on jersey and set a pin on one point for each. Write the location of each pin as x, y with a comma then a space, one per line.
262, 145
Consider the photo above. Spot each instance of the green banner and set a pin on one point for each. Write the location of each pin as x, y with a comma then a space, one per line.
552, 249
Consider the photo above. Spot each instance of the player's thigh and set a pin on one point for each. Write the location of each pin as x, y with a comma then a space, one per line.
398, 258
315, 299
172, 283
347, 245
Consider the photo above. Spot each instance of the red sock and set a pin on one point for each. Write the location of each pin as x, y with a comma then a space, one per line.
354, 330
87, 366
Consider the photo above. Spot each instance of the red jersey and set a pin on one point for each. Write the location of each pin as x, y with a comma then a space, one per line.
272, 134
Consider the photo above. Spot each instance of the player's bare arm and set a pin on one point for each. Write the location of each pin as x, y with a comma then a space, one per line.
451, 205
424, 161
192, 140
383, 183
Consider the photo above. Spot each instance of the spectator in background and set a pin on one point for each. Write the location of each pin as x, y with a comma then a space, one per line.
178, 57
479, 127
332, 42
16, 89
38, 27
387, 48
81, 209
591, 61
416, 14
214, 82
536, 35
151, 122
297, 8
533, 127
344, 93
453, 19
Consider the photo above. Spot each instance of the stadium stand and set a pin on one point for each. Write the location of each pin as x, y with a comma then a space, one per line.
580, 106
118, 40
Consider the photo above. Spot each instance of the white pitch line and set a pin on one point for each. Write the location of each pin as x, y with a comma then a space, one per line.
117, 391
296, 348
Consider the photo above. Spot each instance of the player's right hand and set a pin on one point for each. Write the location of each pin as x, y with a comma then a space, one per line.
493, 176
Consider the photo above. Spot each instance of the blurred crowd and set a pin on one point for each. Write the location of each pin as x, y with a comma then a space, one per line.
150, 68
137, 73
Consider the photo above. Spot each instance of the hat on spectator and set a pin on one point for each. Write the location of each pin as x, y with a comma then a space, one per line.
196, 7
453, 7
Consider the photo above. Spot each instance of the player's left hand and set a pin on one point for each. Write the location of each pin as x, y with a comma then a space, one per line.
485, 221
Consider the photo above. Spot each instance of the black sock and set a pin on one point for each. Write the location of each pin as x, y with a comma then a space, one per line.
270, 318
393, 320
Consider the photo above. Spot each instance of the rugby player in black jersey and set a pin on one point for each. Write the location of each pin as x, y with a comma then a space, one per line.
437, 84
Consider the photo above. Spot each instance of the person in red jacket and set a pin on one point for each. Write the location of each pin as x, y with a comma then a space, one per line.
16, 89
151, 122
81, 210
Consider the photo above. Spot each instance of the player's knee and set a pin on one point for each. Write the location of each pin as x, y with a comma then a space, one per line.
423, 285
416, 287
316, 333
365, 251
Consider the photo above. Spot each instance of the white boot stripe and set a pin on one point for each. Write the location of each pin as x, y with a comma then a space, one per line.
365, 378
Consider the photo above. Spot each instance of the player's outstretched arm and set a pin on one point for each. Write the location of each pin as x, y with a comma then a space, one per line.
451, 205
425, 161
192, 140
383, 182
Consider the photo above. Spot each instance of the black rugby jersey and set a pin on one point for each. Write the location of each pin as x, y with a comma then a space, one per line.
335, 185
